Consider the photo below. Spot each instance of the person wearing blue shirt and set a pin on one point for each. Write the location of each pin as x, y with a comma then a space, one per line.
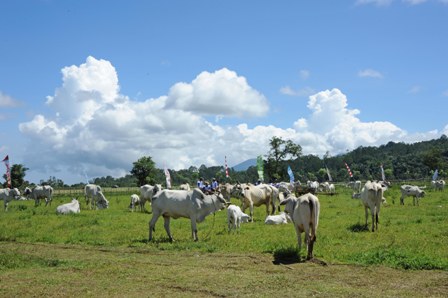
215, 184
200, 183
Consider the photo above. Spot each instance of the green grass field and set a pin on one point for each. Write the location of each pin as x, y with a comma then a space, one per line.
110, 246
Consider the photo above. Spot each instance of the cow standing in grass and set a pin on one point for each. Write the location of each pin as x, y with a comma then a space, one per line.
193, 204
40, 192
8, 195
304, 212
411, 191
94, 197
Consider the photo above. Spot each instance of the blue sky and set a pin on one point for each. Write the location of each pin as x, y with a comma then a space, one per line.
88, 87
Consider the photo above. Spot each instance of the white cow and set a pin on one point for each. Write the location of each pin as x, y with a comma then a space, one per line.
313, 185
7, 195
331, 188
304, 212
226, 191
279, 219
438, 184
235, 217
40, 192
135, 200
185, 186
72, 207
355, 185
193, 204
371, 196
147, 192
95, 197
411, 191
256, 195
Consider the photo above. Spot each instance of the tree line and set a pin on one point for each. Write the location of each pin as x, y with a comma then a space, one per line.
400, 161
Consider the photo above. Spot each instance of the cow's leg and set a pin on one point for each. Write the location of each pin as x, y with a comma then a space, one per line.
372, 212
299, 238
251, 208
152, 224
402, 199
366, 213
167, 227
194, 230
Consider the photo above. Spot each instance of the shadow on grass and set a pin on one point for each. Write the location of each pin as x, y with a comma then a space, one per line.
358, 228
286, 256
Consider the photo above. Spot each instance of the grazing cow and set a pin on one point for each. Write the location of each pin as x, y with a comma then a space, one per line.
304, 212
438, 184
355, 185
40, 192
185, 186
147, 192
135, 200
256, 195
193, 204
235, 217
227, 190
72, 207
371, 196
95, 197
331, 188
313, 186
411, 191
281, 218
8, 195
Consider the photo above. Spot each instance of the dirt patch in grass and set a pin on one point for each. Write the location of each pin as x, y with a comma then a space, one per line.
136, 272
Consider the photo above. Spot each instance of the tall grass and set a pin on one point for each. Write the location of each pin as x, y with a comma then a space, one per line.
409, 237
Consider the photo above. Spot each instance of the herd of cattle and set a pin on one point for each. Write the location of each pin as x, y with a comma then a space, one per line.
302, 209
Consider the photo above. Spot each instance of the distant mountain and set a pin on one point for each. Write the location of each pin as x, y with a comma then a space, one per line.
245, 165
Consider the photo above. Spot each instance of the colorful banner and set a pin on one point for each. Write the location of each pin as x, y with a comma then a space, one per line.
383, 176
227, 169
8, 170
348, 170
436, 175
260, 168
291, 175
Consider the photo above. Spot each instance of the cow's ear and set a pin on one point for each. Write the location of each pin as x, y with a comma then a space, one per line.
284, 202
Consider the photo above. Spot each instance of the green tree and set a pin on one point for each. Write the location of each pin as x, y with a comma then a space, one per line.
279, 151
18, 173
144, 170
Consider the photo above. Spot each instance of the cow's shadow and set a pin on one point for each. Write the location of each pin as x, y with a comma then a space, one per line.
358, 227
287, 256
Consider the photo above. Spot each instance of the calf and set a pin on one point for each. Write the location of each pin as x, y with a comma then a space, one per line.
304, 212
135, 200
281, 218
235, 217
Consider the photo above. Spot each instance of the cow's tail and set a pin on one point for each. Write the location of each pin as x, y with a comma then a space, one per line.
314, 219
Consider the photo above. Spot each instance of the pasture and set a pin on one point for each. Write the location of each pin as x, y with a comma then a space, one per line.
106, 253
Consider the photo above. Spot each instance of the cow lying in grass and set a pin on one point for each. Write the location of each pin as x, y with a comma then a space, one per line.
279, 219
72, 207
304, 212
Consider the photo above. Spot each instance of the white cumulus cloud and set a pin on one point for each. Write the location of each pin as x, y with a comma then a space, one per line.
96, 130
